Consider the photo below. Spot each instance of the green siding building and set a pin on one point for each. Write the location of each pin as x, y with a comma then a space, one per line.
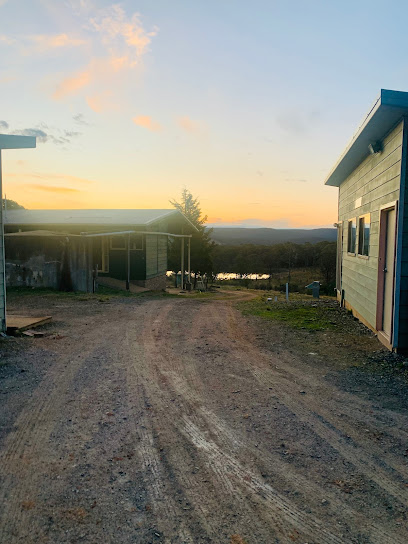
71, 249
372, 261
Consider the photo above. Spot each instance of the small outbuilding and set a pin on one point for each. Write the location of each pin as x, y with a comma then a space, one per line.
372, 258
72, 249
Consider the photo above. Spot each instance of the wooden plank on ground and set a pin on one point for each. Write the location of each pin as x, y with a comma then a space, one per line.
21, 322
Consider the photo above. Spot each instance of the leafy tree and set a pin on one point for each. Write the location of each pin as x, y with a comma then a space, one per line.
12, 205
327, 261
201, 245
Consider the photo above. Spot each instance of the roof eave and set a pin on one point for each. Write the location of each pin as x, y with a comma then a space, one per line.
386, 112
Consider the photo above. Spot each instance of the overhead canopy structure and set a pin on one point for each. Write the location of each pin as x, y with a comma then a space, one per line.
140, 218
387, 110
8, 142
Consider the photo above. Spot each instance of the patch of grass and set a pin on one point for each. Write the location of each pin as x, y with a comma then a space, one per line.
297, 314
103, 294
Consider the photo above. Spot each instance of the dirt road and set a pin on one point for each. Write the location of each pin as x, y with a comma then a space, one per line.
171, 420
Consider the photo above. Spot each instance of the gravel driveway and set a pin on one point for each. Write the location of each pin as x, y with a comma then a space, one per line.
166, 420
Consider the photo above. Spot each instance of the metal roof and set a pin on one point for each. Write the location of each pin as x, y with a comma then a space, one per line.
386, 112
91, 217
41, 234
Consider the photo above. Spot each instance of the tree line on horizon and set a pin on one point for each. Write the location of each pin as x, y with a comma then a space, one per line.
210, 258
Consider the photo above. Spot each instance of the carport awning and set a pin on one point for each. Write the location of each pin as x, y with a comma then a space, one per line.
40, 234
51, 234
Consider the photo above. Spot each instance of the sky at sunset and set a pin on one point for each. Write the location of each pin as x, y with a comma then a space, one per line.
247, 104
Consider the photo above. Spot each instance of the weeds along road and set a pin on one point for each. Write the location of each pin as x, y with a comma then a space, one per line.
167, 420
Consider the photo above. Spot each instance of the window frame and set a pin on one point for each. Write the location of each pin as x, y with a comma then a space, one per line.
117, 248
362, 250
349, 235
133, 239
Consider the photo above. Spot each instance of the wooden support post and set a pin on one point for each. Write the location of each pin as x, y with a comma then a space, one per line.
182, 263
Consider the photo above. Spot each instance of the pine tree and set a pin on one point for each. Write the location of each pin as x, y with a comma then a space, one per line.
201, 243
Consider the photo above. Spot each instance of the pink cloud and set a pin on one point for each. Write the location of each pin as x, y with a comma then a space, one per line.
101, 102
146, 121
188, 124
72, 84
55, 41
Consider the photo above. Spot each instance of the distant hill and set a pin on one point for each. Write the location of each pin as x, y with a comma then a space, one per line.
269, 237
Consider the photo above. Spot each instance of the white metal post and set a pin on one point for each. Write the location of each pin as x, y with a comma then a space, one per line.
2, 261
128, 264
182, 263
189, 261
7, 141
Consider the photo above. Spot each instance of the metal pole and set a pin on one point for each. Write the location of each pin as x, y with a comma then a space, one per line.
3, 324
182, 264
287, 291
128, 264
189, 261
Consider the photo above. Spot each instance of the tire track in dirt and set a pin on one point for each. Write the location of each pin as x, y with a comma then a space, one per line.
24, 457
247, 354
377, 534
326, 425
346, 401
28, 445
139, 372
286, 518
170, 373
227, 469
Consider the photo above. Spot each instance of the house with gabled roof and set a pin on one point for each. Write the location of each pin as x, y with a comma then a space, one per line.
372, 248
71, 249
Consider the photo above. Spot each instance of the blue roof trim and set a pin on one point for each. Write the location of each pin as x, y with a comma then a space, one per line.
386, 112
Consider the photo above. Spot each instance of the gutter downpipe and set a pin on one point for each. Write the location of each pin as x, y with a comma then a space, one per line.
400, 219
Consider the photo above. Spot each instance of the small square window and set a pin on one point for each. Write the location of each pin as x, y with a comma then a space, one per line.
136, 242
351, 239
364, 235
118, 242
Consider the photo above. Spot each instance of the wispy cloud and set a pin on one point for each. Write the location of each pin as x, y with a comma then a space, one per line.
7, 79
79, 118
121, 41
39, 134
114, 26
29, 45
54, 41
51, 188
43, 133
188, 125
72, 84
102, 101
62, 177
146, 121
113, 44
7, 40
54, 177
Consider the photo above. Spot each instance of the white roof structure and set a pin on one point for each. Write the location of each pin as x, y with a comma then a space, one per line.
139, 218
